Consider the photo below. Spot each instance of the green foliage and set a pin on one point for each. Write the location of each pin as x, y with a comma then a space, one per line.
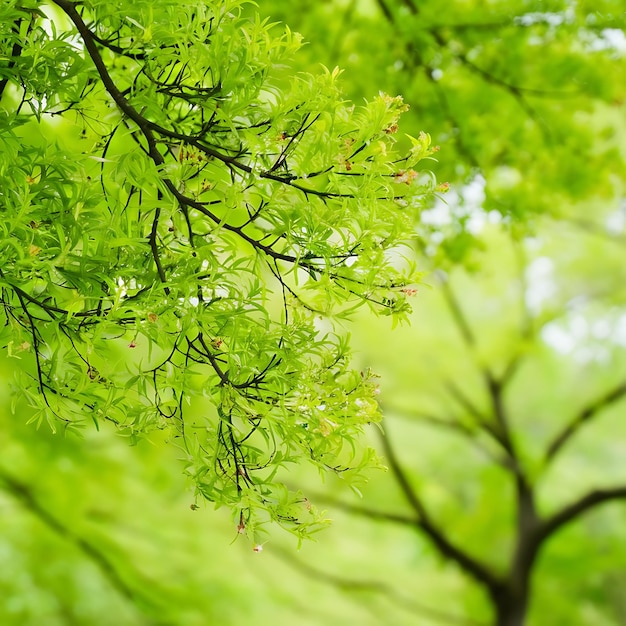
525, 94
502, 401
183, 226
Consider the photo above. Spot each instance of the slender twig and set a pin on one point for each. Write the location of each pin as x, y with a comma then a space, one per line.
367, 512
456, 311
459, 395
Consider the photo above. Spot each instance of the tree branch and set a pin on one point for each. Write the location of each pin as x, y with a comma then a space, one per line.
574, 510
456, 311
150, 129
471, 566
454, 425
452, 119
24, 494
363, 511
589, 412
500, 430
16, 51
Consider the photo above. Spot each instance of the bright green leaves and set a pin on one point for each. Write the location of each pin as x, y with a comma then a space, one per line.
510, 90
185, 222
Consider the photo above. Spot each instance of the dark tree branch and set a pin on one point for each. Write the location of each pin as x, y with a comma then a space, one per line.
150, 130
527, 518
453, 425
572, 511
495, 390
471, 566
16, 51
516, 586
386, 11
149, 127
137, 56
588, 413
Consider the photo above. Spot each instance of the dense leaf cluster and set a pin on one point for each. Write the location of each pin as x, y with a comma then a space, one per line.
182, 219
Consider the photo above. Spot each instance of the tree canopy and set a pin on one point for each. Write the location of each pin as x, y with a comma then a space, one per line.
190, 224
185, 218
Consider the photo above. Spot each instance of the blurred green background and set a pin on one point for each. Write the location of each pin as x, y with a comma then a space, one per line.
526, 99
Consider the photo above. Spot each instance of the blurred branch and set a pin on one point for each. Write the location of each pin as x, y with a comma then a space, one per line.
411, 5
23, 494
574, 510
589, 412
477, 570
456, 311
476, 25
494, 386
452, 424
386, 11
471, 566
495, 389
374, 586
517, 92
510, 368
456, 392
468, 432
500, 429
